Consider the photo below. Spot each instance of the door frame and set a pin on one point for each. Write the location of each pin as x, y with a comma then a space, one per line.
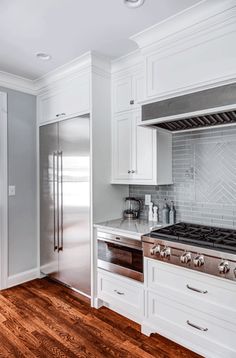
3, 192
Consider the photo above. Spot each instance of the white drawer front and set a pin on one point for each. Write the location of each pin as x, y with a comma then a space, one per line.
121, 292
199, 329
196, 288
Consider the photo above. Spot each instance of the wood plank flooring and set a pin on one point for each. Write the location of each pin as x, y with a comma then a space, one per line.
44, 319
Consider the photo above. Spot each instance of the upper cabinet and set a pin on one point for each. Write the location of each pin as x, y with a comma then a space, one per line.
140, 155
190, 52
127, 91
71, 97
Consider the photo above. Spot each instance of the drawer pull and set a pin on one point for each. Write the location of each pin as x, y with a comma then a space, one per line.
119, 293
197, 327
196, 290
60, 114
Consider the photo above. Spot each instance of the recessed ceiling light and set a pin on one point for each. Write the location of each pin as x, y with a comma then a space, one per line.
43, 56
134, 3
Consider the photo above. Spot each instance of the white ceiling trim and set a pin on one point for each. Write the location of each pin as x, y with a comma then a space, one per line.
17, 83
183, 22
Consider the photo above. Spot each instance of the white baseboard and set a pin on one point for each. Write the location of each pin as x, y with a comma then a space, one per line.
22, 277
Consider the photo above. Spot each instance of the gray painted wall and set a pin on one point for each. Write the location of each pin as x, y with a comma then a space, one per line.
22, 174
204, 175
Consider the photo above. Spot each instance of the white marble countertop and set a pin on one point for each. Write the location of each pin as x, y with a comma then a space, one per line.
134, 228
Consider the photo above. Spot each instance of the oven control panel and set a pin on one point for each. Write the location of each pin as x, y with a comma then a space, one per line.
192, 259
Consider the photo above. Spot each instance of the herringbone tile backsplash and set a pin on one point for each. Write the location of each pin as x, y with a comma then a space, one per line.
204, 176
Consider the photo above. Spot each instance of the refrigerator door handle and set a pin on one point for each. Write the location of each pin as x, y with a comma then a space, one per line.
55, 239
60, 194
58, 206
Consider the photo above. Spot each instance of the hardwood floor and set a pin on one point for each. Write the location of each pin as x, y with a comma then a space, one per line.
44, 319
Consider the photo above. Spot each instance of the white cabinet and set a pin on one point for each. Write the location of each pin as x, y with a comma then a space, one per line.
140, 155
71, 97
121, 294
122, 146
127, 91
191, 308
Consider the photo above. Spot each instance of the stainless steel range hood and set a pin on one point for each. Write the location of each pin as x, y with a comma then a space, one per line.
209, 108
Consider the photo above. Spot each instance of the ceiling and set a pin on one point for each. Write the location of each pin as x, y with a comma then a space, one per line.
68, 28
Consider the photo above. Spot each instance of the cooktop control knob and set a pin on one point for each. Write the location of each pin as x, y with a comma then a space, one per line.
186, 257
155, 250
165, 252
198, 261
224, 267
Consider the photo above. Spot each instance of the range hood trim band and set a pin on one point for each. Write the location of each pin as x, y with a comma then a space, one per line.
221, 114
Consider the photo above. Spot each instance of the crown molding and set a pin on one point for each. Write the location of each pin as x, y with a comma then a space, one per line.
199, 16
126, 62
17, 83
90, 61
69, 69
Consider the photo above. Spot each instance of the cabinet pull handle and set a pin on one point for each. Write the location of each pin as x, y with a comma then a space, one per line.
196, 290
131, 102
196, 326
60, 114
118, 292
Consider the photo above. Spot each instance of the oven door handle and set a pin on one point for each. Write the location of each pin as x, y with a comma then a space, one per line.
120, 243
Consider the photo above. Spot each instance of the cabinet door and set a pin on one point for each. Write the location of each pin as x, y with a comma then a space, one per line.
122, 94
143, 152
122, 136
138, 89
69, 99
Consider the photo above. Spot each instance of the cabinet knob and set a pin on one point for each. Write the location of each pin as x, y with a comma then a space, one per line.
129, 171
132, 171
131, 101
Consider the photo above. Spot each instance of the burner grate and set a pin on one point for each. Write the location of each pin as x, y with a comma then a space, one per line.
200, 235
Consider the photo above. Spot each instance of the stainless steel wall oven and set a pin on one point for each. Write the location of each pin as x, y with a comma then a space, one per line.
120, 255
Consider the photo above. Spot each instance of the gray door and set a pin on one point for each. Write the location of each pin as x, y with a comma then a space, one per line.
74, 203
48, 199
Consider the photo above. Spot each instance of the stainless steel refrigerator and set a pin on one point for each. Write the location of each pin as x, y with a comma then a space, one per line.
65, 202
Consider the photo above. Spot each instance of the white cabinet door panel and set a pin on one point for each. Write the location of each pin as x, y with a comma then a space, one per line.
144, 151
70, 98
138, 89
122, 132
122, 94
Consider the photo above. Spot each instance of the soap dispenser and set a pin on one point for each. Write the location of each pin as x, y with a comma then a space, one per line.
165, 213
150, 213
155, 213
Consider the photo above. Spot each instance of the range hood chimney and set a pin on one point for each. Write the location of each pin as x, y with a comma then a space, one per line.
209, 108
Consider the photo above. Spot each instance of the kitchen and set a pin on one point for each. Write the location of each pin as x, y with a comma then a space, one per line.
117, 162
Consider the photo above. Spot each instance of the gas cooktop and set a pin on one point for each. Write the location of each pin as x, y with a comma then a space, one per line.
200, 235
207, 249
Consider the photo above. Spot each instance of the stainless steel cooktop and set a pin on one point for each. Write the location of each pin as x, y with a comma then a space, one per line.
206, 249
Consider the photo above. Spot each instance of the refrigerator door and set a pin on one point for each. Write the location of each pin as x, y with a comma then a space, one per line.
48, 200
74, 203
